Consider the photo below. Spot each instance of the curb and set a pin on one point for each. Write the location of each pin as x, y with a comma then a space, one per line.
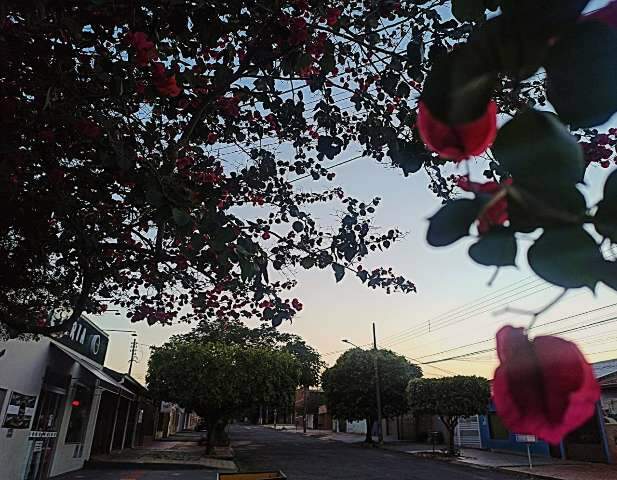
146, 466
506, 470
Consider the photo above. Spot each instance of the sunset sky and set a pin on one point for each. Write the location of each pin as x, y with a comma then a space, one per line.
452, 295
446, 279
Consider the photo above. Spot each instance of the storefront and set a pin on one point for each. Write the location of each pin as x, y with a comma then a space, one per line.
50, 393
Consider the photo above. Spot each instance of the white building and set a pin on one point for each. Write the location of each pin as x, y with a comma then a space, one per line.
50, 391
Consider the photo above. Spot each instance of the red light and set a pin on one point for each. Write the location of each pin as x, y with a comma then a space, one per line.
76, 403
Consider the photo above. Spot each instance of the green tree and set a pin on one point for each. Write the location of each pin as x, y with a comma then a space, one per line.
349, 385
232, 331
450, 398
309, 367
217, 380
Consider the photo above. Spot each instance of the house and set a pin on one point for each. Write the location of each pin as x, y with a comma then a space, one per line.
595, 441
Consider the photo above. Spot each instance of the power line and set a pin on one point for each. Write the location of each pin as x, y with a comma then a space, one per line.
569, 330
535, 326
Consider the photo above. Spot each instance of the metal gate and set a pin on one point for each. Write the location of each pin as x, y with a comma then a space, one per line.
467, 433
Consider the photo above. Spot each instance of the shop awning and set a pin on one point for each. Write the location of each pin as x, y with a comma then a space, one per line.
106, 381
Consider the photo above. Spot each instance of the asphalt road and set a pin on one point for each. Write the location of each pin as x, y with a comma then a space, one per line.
119, 474
306, 458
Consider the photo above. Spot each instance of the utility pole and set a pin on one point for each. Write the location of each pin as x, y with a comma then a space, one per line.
377, 387
133, 354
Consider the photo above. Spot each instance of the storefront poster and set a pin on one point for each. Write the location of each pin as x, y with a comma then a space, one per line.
20, 411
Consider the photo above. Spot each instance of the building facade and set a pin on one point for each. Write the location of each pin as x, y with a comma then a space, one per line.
51, 393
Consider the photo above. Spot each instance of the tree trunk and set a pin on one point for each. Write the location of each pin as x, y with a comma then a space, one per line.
450, 423
451, 450
305, 408
210, 436
369, 430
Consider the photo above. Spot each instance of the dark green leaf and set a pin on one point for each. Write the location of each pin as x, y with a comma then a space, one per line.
329, 146
538, 150
339, 271
542, 207
181, 217
496, 248
459, 86
605, 219
581, 72
452, 222
408, 156
414, 53
568, 257
307, 262
468, 10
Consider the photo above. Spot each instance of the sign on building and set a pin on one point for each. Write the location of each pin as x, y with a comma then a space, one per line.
20, 411
88, 339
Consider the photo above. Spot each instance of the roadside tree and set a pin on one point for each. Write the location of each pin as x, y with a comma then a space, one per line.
450, 398
350, 386
217, 380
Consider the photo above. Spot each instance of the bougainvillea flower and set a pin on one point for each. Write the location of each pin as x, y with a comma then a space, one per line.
299, 33
230, 106
332, 16
145, 51
544, 386
164, 83
458, 142
606, 14
496, 212
88, 128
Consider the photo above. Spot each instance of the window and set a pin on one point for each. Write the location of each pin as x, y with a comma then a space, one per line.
80, 412
497, 429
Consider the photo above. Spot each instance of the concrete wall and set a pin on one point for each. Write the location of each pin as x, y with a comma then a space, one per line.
22, 369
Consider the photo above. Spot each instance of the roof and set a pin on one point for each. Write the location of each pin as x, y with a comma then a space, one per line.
128, 381
605, 368
94, 369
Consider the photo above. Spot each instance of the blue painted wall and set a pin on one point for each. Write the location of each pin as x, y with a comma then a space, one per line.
538, 448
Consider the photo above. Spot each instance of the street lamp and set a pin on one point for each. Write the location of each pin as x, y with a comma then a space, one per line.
132, 332
377, 383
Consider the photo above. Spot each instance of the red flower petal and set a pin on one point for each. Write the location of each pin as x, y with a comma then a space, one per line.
458, 142
606, 14
543, 387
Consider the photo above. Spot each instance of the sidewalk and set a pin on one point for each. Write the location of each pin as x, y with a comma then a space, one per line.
543, 467
180, 451
327, 434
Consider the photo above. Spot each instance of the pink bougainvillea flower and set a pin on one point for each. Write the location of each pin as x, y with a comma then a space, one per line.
606, 14
458, 142
145, 51
544, 386
164, 83
88, 128
297, 305
230, 106
299, 33
333, 16
496, 214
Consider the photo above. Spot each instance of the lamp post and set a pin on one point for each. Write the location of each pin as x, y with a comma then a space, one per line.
377, 383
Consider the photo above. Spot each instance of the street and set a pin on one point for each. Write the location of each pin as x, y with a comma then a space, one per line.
119, 474
304, 458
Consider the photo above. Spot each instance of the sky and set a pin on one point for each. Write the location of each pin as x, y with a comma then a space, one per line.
446, 279
453, 295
